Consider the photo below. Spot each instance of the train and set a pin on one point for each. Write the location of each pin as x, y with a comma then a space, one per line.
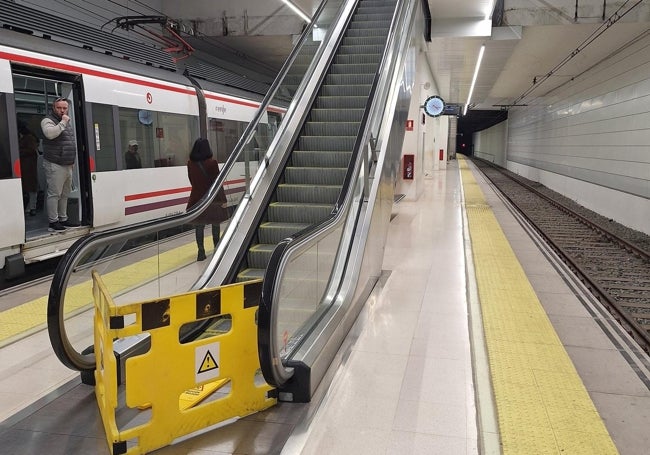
112, 102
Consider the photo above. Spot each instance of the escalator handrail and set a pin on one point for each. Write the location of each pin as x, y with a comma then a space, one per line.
55, 309
270, 361
302, 98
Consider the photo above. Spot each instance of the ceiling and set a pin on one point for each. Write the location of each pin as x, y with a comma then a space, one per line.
532, 48
538, 45
529, 54
535, 38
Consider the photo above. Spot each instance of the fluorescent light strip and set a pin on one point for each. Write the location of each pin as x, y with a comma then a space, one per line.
297, 10
488, 13
471, 88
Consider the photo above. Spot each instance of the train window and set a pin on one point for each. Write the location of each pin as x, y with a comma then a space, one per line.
163, 139
5, 156
104, 133
224, 135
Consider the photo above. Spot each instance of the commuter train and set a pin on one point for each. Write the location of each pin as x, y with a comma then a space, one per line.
112, 102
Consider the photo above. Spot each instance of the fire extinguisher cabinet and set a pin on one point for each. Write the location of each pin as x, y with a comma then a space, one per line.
409, 164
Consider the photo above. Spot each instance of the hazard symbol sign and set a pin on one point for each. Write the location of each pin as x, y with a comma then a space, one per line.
206, 362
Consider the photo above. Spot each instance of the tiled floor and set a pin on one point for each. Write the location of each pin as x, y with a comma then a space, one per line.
406, 386
406, 383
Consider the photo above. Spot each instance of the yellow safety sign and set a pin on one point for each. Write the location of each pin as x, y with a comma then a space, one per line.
181, 387
205, 361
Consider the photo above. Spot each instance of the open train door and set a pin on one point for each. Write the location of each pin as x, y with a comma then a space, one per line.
34, 91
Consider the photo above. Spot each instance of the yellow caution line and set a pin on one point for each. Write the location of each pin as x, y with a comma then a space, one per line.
542, 404
30, 317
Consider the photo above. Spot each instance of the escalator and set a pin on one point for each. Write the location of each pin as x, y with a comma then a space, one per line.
313, 219
319, 232
315, 172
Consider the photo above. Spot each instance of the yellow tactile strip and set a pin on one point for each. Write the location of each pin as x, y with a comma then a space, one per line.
542, 404
30, 316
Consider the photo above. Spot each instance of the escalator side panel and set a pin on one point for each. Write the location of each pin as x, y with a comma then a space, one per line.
317, 356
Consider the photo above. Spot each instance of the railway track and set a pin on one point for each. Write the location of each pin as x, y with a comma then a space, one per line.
615, 270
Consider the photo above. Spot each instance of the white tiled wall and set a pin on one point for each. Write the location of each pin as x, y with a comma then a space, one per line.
590, 139
490, 144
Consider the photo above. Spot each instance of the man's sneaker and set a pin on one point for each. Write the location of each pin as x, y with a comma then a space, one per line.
56, 227
68, 224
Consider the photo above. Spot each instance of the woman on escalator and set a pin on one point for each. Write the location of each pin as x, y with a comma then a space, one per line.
202, 171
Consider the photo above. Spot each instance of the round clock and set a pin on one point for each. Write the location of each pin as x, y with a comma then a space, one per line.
434, 106
145, 117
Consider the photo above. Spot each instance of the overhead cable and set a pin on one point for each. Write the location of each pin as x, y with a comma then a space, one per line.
615, 17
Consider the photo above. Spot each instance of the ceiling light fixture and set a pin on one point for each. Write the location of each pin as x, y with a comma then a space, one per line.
471, 88
297, 10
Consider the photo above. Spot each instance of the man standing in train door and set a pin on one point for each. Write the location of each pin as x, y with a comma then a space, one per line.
59, 153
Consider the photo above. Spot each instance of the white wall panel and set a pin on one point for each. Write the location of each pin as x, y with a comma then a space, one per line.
490, 144
426, 139
631, 211
590, 138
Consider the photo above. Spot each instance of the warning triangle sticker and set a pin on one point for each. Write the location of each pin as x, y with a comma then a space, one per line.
208, 363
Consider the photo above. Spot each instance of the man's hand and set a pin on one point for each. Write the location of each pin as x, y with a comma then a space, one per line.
65, 119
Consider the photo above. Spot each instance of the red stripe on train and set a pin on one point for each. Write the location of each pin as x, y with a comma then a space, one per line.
168, 202
91, 72
135, 197
155, 205
132, 80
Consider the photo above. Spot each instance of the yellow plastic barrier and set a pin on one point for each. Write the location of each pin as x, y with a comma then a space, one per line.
175, 389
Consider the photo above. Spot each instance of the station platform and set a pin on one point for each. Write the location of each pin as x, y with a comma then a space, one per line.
478, 341
474, 341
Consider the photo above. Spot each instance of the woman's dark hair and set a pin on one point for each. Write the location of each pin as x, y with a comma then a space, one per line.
22, 127
201, 150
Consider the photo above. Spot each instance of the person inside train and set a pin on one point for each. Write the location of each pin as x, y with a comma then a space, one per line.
202, 170
132, 157
28, 148
59, 153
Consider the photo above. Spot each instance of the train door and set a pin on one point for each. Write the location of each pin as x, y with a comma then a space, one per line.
11, 225
34, 95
